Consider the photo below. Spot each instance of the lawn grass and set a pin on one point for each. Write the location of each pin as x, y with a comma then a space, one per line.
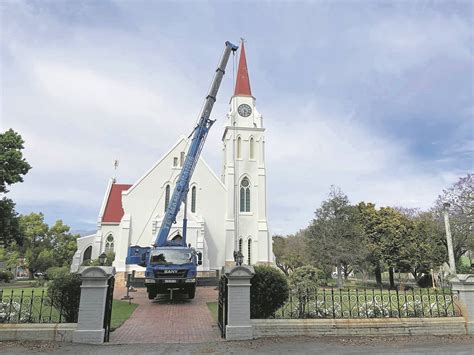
18, 284
7, 291
368, 303
213, 308
37, 307
121, 311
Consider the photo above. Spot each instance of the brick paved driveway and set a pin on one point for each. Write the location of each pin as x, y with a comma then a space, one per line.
160, 321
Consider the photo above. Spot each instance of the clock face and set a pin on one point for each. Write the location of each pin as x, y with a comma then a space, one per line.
244, 110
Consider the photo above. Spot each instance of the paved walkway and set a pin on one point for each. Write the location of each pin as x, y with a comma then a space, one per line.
160, 321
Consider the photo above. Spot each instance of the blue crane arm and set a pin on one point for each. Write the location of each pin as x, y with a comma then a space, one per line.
197, 141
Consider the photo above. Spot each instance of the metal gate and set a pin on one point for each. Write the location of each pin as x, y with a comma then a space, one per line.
108, 308
222, 312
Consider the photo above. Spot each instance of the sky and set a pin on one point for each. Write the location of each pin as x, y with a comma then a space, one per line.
375, 97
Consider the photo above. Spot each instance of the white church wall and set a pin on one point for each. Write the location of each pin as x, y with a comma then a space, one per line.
121, 238
145, 200
82, 244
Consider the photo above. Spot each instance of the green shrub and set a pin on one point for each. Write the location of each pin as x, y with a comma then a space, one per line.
269, 291
6, 276
307, 277
38, 283
65, 293
303, 281
464, 269
56, 271
426, 280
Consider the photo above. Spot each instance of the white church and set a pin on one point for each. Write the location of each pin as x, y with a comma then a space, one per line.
224, 213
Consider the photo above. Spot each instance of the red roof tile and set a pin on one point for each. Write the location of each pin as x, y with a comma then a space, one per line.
113, 209
242, 86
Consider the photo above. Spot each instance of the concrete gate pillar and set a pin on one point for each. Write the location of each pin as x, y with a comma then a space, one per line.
90, 324
463, 284
238, 326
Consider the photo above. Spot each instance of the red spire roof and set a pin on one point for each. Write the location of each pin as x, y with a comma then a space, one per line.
242, 86
113, 209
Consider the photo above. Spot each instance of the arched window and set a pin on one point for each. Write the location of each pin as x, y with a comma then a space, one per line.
109, 243
252, 153
239, 148
193, 199
240, 245
249, 251
167, 197
245, 195
87, 254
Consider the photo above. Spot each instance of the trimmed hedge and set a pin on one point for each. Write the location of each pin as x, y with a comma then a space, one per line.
56, 271
65, 294
269, 291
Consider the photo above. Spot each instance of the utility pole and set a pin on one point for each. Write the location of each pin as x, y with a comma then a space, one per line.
449, 239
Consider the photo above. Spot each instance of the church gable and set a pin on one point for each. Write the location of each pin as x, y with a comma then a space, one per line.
167, 169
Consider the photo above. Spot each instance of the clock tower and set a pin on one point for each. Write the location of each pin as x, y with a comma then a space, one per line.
244, 175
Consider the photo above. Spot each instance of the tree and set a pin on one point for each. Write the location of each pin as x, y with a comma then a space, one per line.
395, 231
460, 196
12, 168
63, 243
35, 241
290, 252
425, 249
335, 237
12, 164
9, 223
369, 221
44, 247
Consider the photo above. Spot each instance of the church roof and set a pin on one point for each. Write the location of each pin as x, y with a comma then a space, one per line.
242, 85
113, 209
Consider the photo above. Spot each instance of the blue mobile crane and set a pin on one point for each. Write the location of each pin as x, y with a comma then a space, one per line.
172, 264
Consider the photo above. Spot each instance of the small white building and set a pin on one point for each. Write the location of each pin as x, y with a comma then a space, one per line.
224, 213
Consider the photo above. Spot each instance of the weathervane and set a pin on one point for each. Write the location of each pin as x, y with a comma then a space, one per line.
116, 164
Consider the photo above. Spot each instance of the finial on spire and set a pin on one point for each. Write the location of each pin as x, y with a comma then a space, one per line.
116, 164
242, 85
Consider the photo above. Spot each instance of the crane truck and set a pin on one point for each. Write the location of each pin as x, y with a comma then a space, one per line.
172, 264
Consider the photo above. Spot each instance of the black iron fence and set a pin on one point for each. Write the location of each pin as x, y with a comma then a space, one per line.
368, 303
222, 307
20, 306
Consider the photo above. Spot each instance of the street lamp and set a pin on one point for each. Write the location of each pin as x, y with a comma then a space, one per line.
102, 259
449, 239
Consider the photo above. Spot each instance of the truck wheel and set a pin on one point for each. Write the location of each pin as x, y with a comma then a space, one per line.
192, 293
151, 295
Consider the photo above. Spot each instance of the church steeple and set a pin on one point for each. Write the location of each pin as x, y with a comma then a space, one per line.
242, 85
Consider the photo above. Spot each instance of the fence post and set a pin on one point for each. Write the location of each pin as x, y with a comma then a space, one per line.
90, 324
239, 326
463, 284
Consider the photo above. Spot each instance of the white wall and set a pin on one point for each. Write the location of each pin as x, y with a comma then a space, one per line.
144, 202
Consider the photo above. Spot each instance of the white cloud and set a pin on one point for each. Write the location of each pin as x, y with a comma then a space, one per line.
85, 88
308, 151
84, 96
400, 42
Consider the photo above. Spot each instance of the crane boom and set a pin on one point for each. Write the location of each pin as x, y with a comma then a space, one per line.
172, 265
197, 141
